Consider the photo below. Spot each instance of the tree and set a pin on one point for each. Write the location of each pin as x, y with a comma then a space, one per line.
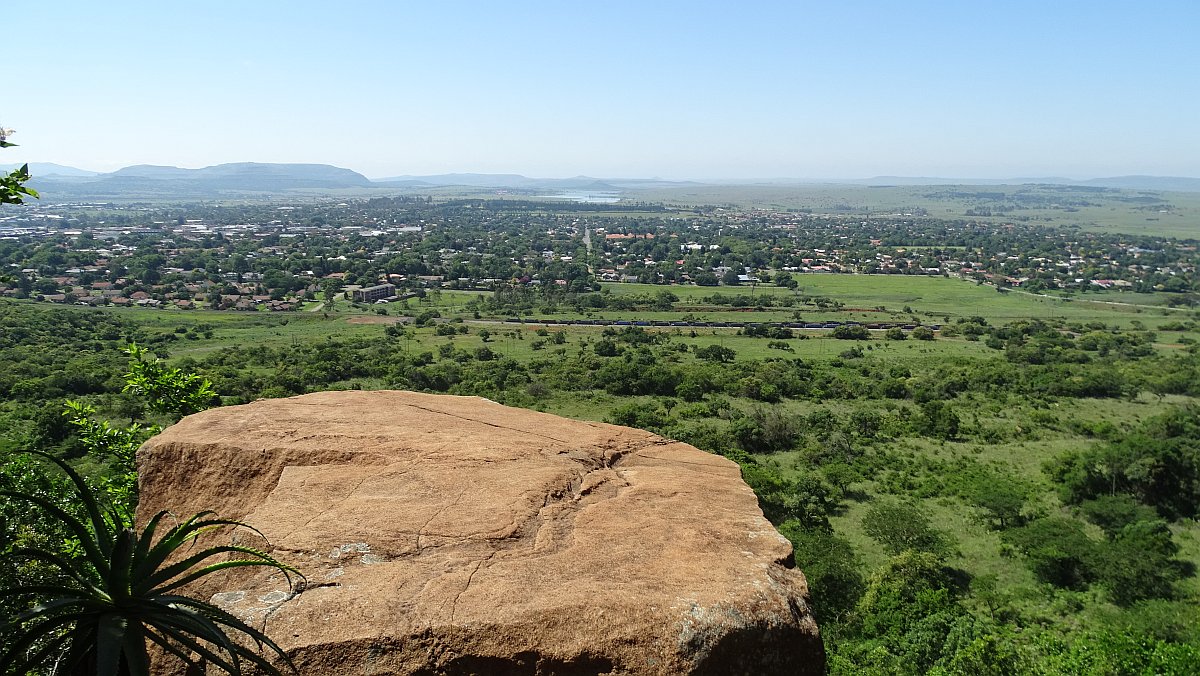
1112, 513
329, 290
1139, 563
851, 332
1001, 498
807, 499
901, 527
1057, 550
717, 353
116, 445
938, 420
910, 603
786, 280
98, 615
606, 348
1158, 463
168, 391
12, 185
239, 265
831, 567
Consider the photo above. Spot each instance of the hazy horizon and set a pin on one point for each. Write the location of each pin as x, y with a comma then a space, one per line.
698, 179
680, 91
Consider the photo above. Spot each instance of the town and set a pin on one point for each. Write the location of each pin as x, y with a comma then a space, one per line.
285, 257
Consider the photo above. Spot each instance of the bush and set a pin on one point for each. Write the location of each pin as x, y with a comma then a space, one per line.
638, 415
1057, 550
851, 332
807, 499
716, 353
831, 566
765, 430
1112, 513
902, 527
938, 420
1138, 564
1158, 464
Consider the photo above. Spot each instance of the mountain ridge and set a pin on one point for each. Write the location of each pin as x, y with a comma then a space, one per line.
261, 177
48, 169
156, 181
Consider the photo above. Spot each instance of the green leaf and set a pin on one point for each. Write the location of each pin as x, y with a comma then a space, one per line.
165, 644
146, 539
137, 661
237, 563
100, 526
110, 638
122, 560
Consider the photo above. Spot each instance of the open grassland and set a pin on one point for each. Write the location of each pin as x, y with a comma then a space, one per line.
866, 298
933, 299
518, 340
1175, 214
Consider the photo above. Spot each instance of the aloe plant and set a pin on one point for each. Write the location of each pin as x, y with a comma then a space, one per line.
120, 591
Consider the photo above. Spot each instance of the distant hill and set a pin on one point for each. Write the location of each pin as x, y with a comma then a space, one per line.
1168, 183
50, 169
155, 172
58, 182
149, 181
251, 176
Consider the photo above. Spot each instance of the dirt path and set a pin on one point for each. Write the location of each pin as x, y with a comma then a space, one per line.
378, 319
1102, 302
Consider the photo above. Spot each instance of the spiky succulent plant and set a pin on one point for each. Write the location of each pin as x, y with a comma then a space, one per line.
119, 591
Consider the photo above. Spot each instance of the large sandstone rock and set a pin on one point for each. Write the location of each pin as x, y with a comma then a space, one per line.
452, 535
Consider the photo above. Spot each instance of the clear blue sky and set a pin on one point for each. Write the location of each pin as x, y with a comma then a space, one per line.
671, 89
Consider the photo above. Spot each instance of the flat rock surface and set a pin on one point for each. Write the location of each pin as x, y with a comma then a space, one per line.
453, 535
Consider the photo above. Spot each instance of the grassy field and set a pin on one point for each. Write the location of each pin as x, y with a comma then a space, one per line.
931, 298
518, 341
977, 549
1175, 214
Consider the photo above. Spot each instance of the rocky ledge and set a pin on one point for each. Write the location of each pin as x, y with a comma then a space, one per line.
453, 535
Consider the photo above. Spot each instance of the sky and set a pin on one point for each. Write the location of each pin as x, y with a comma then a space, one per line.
677, 90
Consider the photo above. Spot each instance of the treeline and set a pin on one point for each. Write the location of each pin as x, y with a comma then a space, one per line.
522, 300
633, 361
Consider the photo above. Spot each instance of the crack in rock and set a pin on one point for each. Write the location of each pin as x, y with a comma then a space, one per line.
478, 564
421, 531
489, 424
